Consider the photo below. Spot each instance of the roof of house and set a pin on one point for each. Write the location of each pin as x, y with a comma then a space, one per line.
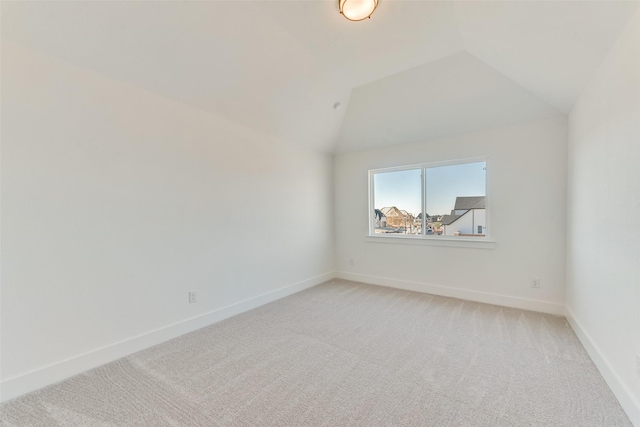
391, 211
378, 214
448, 219
472, 202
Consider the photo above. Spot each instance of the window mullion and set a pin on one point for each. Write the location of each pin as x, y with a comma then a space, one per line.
424, 201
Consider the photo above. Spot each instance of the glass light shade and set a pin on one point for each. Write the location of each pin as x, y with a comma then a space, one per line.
357, 10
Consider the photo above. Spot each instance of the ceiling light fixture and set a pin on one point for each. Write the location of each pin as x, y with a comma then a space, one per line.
357, 10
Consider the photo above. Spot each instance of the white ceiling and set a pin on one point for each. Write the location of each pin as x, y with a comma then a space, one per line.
415, 71
455, 94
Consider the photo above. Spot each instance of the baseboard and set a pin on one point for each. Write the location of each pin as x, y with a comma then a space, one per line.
59, 371
485, 297
626, 398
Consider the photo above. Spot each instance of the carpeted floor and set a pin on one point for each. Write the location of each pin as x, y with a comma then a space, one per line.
344, 354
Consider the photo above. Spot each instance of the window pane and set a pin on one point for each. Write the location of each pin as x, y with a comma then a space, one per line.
398, 202
456, 200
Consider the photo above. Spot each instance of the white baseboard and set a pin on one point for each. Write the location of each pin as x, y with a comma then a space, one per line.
628, 402
485, 297
47, 375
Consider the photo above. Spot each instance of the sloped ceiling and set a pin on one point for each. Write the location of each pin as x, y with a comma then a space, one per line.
455, 94
415, 71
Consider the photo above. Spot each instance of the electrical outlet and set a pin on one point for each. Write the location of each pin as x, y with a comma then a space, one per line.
638, 365
352, 262
535, 283
193, 297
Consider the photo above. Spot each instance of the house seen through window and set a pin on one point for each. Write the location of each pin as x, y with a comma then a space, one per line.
445, 199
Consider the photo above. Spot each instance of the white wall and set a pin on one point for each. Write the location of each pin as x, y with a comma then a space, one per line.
603, 244
117, 202
527, 175
468, 223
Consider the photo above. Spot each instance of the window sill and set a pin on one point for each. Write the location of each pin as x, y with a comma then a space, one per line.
434, 241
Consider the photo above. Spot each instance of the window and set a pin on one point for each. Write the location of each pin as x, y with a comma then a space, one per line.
446, 200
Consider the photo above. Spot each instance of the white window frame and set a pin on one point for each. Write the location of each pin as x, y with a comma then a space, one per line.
471, 242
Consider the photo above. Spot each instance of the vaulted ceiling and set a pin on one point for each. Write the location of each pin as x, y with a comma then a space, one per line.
416, 70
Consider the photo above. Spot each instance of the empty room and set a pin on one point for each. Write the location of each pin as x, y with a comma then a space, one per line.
320, 213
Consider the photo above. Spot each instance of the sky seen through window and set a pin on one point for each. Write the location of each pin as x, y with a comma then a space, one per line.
403, 189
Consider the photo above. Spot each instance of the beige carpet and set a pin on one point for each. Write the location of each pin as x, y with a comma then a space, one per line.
344, 354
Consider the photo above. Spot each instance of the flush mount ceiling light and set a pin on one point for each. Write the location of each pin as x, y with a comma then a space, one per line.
357, 10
